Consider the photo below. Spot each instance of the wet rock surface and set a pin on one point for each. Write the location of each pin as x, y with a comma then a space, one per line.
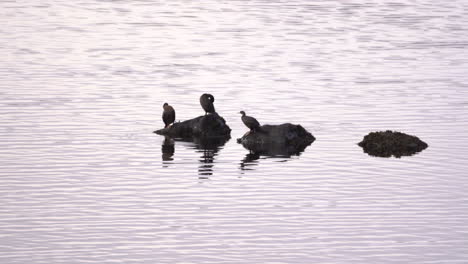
391, 143
277, 140
211, 125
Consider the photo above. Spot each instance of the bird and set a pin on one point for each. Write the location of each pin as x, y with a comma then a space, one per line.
250, 122
168, 115
206, 101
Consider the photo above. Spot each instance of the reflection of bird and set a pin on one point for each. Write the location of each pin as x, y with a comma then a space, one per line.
250, 122
168, 115
167, 149
206, 101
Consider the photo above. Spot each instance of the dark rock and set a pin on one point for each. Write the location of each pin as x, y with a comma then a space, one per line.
277, 140
206, 126
391, 143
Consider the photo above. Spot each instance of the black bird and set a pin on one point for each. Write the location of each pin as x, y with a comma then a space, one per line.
168, 115
250, 122
206, 101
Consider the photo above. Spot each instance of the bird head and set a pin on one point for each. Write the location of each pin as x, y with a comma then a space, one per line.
210, 97
242, 113
165, 104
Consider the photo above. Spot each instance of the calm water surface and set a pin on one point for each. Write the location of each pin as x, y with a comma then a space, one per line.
84, 180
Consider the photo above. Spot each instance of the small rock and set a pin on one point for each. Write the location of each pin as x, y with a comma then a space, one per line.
274, 140
391, 143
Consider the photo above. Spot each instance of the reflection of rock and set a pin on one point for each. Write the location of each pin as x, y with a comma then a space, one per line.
211, 125
277, 140
249, 160
209, 147
213, 143
390, 143
167, 149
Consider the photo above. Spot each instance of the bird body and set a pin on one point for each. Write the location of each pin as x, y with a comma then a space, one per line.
206, 101
250, 122
168, 115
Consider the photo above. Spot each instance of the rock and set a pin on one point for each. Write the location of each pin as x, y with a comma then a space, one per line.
211, 125
277, 140
275, 149
391, 143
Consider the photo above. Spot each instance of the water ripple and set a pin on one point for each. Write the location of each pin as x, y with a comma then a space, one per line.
84, 179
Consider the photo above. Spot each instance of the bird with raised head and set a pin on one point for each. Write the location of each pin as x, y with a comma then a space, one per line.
168, 115
206, 101
250, 122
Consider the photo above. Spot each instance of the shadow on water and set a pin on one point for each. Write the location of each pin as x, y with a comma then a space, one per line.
256, 151
208, 147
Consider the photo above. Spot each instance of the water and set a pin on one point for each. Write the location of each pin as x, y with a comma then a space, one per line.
84, 180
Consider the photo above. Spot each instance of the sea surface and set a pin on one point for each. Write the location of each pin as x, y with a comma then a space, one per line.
83, 178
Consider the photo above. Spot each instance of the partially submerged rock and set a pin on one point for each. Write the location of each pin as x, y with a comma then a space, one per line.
277, 140
211, 125
391, 143
275, 149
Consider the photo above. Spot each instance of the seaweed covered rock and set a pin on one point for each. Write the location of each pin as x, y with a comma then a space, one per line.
285, 140
391, 143
212, 125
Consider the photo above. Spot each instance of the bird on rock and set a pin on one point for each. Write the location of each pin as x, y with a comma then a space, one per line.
168, 115
206, 101
250, 122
